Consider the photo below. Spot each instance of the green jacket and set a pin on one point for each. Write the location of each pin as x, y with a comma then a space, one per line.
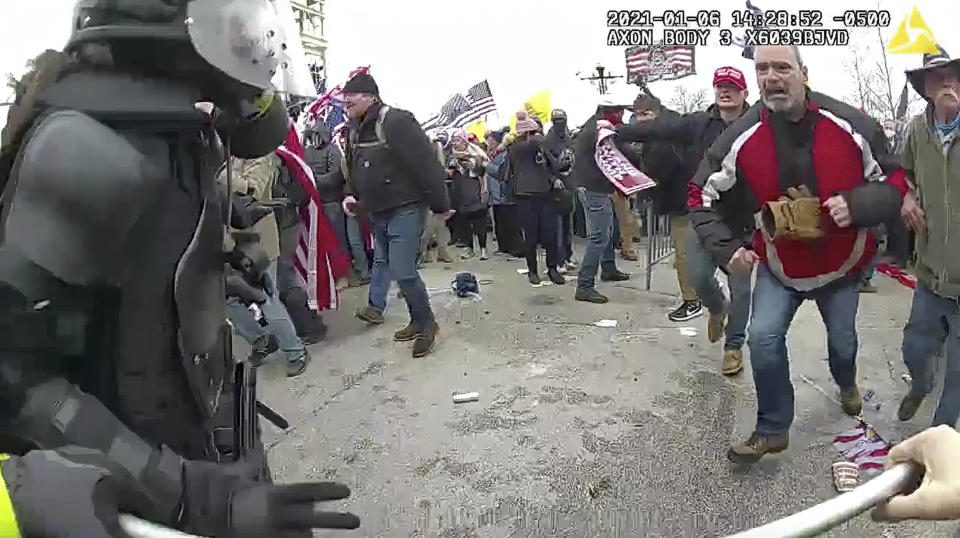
935, 171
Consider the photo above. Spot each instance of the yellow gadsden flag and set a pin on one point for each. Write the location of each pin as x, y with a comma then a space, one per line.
913, 36
478, 128
537, 105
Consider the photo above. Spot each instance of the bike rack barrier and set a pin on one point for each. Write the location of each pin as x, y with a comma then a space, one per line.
810, 522
828, 514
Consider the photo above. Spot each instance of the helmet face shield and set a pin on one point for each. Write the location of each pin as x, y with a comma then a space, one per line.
248, 41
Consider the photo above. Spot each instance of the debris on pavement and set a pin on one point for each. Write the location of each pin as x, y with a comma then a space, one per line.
867, 396
606, 323
466, 397
688, 331
907, 379
864, 447
522, 271
846, 476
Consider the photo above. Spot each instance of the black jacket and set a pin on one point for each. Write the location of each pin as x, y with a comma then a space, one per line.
286, 186
325, 163
530, 170
586, 173
697, 131
671, 165
466, 189
467, 193
404, 171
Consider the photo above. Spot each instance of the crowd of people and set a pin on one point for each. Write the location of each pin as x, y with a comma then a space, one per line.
117, 371
772, 189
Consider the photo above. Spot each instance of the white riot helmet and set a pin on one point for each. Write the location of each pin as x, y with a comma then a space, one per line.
247, 40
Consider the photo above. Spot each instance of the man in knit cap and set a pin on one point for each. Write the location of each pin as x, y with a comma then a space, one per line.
392, 173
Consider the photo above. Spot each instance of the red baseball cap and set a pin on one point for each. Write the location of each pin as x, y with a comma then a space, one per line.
730, 75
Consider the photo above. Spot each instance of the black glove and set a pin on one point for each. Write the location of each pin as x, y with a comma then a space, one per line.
237, 286
69, 492
218, 503
246, 211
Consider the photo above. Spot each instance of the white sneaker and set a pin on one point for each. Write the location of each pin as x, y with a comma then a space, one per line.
483, 254
467, 254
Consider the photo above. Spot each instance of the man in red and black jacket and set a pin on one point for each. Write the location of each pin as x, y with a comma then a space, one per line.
795, 154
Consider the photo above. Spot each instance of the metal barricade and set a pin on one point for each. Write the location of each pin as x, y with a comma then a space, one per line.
657, 235
828, 514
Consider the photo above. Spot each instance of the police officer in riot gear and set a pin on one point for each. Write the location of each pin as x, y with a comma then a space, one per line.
112, 267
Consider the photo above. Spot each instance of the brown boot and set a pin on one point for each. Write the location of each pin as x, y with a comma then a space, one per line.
444, 256
716, 323
425, 340
410, 332
732, 362
370, 315
850, 401
754, 448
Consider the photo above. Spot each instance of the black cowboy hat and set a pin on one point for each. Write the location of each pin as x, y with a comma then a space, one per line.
931, 61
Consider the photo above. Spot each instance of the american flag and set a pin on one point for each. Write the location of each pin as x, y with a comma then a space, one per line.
449, 112
650, 63
332, 97
481, 103
463, 110
320, 260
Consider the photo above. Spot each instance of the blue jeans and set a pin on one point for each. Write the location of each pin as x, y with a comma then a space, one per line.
598, 209
358, 247
934, 321
702, 269
396, 238
774, 306
279, 323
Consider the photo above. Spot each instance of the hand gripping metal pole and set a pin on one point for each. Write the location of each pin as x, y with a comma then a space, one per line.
138, 528
828, 514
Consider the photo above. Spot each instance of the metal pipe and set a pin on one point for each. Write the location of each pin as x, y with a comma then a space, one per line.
828, 514
138, 528
651, 237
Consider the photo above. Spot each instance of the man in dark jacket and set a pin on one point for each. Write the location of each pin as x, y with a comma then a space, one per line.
506, 219
559, 144
791, 156
393, 173
698, 131
665, 163
324, 158
308, 323
533, 181
595, 191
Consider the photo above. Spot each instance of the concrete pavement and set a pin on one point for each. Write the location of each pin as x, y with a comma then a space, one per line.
579, 430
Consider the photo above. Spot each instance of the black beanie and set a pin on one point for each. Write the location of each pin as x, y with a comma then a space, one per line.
361, 83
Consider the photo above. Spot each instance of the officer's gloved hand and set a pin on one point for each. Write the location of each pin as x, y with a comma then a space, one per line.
217, 503
246, 211
70, 491
237, 286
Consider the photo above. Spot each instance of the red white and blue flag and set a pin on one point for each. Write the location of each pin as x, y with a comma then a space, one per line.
320, 260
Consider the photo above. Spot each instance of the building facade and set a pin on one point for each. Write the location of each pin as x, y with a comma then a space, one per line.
310, 19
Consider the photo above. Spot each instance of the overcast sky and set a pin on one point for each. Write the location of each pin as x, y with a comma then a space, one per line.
424, 51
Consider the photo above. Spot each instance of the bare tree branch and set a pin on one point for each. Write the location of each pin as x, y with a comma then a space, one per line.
685, 101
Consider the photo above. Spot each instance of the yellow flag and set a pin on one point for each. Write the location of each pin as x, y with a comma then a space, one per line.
539, 105
913, 36
478, 128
